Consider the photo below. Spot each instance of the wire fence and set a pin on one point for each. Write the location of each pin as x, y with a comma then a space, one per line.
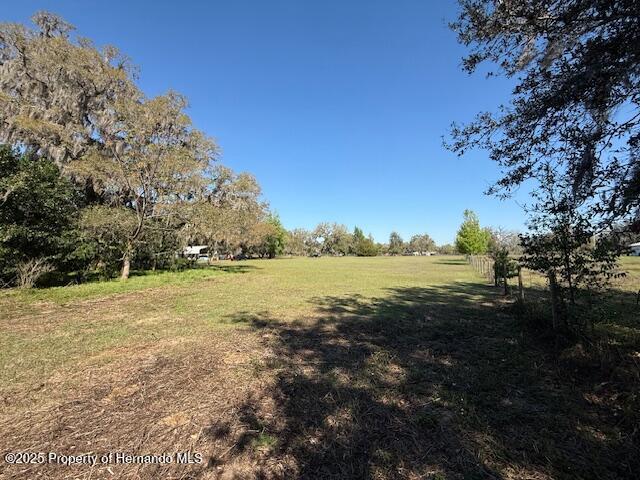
483, 265
486, 267
520, 279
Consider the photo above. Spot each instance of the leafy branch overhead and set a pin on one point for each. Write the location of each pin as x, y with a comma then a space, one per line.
574, 108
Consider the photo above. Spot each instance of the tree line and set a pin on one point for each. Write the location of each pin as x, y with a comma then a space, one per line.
335, 239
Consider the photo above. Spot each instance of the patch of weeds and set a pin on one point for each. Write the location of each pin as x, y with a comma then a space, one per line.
378, 362
264, 441
437, 476
256, 367
383, 455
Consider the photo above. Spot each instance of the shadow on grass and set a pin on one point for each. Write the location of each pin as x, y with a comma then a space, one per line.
233, 268
427, 383
451, 261
57, 279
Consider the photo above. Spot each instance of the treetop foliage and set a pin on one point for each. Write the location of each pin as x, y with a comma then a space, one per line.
471, 239
574, 108
58, 92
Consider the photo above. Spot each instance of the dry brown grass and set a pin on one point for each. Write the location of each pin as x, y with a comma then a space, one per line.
161, 399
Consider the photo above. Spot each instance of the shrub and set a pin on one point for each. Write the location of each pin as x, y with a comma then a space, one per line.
28, 272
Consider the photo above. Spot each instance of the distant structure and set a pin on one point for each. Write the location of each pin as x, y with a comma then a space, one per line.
635, 249
196, 252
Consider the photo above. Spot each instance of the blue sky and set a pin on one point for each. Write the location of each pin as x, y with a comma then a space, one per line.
337, 107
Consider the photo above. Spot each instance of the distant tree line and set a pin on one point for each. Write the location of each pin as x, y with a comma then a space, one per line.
335, 239
331, 239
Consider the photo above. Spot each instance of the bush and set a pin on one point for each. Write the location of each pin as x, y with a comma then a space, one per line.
366, 248
30, 271
38, 210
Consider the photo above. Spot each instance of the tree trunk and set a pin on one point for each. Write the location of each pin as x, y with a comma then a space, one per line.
126, 264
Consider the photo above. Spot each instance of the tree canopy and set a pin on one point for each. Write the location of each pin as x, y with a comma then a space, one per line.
396, 244
574, 109
571, 129
471, 239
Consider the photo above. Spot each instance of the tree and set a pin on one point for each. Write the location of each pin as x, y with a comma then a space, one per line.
37, 213
269, 238
106, 230
503, 239
422, 243
561, 245
334, 238
66, 100
226, 212
153, 163
58, 95
446, 249
358, 234
299, 242
363, 246
396, 244
342, 239
575, 106
471, 239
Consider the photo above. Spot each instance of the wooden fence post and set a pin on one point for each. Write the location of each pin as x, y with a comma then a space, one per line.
553, 286
492, 273
520, 285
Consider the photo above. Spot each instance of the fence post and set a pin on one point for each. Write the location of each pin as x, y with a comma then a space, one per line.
520, 285
554, 298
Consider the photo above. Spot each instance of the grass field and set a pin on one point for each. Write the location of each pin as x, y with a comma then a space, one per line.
386, 367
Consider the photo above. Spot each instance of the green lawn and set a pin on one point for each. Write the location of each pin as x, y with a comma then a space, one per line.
50, 328
386, 367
